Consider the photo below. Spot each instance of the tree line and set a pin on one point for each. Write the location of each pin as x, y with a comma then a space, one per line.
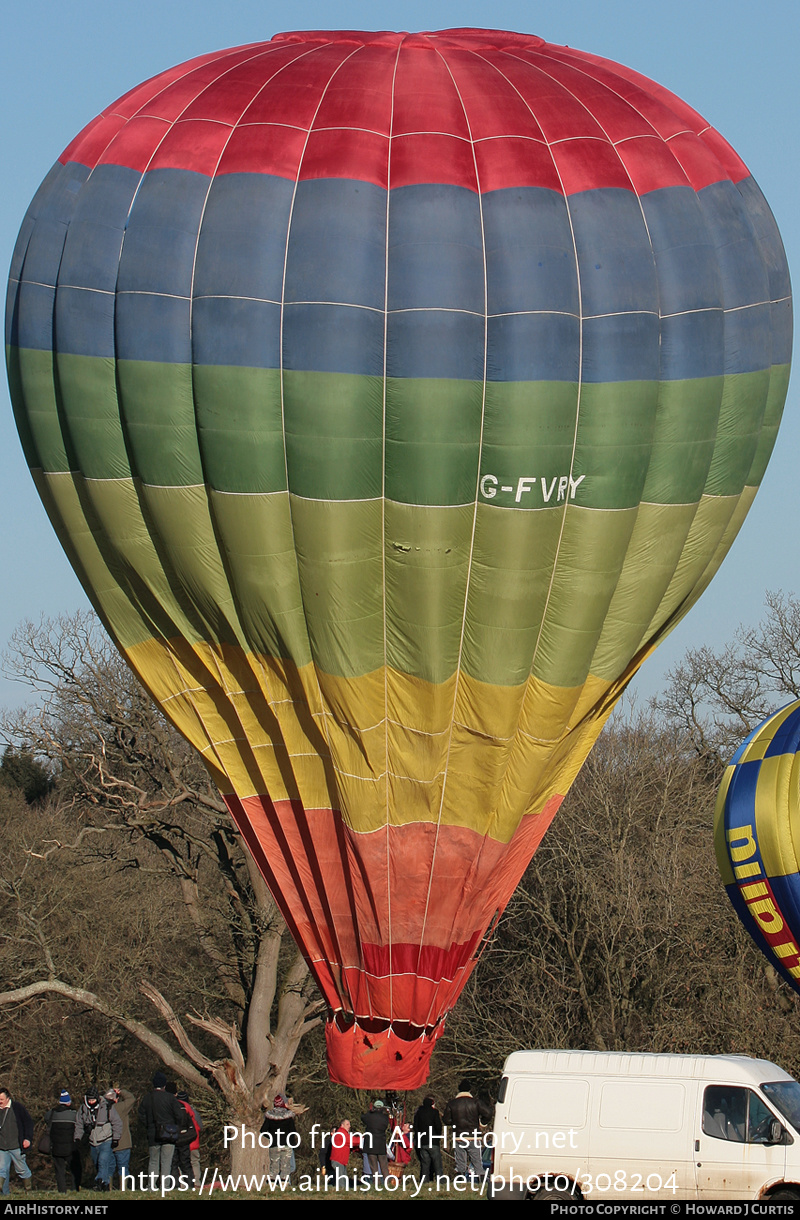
135, 932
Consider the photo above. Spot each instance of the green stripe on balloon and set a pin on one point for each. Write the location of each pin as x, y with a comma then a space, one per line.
662, 442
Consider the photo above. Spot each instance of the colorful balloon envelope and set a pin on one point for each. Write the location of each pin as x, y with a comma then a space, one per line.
757, 838
393, 395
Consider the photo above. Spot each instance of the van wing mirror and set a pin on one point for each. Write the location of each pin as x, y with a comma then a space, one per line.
777, 1132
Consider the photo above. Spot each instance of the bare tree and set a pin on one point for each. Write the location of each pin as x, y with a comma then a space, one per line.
717, 698
131, 795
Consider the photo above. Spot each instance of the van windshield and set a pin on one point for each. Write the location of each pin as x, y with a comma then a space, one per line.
785, 1096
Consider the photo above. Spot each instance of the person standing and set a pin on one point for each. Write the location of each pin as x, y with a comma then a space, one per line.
428, 1130
192, 1169
16, 1134
122, 1100
164, 1117
466, 1115
279, 1123
64, 1151
341, 1141
182, 1157
98, 1117
376, 1124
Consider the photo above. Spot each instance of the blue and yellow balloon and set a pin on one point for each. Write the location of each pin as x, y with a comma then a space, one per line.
757, 835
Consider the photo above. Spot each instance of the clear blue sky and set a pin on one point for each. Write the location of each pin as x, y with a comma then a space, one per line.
734, 61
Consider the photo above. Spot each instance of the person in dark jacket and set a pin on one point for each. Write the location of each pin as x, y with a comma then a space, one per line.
466, 1115
64, 1150
279, 1123
16, 1135
375, 1124
182, 1160
164, 1117
428, 1130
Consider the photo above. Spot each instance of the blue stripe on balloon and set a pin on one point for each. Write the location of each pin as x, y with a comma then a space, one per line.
337, 243
530, 257
37, 257
766, 230
238, 254
56, 207
33, 323
94, 242
38, 202
88, 263
748, 339
435, 249
12, 313
157, 325
230, 331
693, 345
683, 249
85, 321
617, 267
44, 251
435, 343
743, 277
622, 347
161, 237
333, 338
533, 347
337, 254
782, 331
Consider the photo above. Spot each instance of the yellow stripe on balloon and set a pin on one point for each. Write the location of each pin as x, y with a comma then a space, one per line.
263, 727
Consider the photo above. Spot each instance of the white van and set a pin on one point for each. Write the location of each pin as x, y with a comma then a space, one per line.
606, 1126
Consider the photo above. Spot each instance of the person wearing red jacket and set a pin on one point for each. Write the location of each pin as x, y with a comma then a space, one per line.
194, 1147
190, 1134
342, 1140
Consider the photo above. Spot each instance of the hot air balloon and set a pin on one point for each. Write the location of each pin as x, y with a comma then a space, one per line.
757, 838
393, 396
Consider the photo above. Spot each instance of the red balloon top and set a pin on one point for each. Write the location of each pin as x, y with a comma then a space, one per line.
395, 109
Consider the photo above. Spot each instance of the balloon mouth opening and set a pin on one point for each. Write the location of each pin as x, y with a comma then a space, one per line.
404, 1030
370, 1053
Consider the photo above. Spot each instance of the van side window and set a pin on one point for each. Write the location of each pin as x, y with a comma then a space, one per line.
736, 1114
725, 1113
